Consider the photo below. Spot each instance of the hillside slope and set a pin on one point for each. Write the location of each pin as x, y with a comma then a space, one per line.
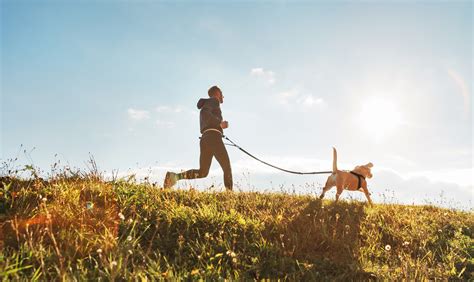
86, 228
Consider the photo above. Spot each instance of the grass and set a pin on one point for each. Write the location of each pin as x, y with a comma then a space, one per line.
78, 226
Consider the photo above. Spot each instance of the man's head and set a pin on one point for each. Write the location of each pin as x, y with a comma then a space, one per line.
215, 92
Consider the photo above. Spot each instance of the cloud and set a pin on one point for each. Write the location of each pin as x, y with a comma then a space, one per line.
268, 76
138, 114
293, 98
165, 124
286, 97
169, 109
424, 188
310, 101
461, 177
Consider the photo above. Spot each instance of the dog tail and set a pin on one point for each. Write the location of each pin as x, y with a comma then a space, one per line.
334, 160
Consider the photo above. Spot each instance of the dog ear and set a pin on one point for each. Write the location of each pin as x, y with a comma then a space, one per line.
370, 165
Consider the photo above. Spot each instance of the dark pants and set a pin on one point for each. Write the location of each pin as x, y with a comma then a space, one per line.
211, 145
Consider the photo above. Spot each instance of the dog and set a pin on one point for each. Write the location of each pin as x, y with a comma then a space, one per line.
354, 180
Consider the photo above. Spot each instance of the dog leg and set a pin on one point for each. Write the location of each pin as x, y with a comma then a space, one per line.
325, 189
367, 194
339, 192
330, 182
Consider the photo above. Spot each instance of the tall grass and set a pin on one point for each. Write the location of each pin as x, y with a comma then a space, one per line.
78, 226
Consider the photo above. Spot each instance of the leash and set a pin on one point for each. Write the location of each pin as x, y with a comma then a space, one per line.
282, 169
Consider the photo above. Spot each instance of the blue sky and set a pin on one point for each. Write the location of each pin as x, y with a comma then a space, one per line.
386, 82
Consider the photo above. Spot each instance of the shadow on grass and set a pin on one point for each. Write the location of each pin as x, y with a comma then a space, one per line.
324, 239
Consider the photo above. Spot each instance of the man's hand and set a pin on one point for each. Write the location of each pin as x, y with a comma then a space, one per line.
224, 124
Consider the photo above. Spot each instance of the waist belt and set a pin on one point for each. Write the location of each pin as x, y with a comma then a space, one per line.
212, 129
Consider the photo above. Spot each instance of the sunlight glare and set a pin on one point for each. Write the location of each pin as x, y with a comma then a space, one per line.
380, 118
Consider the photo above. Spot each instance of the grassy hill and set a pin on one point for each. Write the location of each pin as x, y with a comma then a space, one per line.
78, 226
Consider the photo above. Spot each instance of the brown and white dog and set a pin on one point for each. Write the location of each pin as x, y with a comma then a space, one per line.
353, 180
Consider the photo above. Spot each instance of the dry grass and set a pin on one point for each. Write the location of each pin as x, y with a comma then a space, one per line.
77, 226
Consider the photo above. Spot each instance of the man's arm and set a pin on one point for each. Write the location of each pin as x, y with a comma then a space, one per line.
224, 124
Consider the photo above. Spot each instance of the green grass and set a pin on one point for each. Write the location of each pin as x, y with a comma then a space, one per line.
81, 227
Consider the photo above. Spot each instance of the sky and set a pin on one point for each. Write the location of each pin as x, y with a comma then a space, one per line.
387, 82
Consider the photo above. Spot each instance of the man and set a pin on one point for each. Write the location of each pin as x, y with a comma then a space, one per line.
211, 144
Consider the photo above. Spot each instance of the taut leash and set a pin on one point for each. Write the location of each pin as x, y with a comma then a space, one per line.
282, 169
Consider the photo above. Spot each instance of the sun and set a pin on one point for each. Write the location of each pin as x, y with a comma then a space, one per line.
380, 118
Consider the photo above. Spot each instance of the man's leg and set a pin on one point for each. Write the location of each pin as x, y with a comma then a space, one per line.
205, 160
223, 158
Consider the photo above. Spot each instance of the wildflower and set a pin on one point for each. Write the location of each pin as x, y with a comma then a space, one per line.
121, 216
130, 220
99, 251
347, 227
440, 231
129, 238
230, 254
388, 248
44, 199
195, 272
113, 263
89, 205
130, 252
406, 243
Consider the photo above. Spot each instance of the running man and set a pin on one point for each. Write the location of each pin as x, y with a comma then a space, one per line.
211, 144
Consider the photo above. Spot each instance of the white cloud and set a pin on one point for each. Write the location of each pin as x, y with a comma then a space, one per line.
165, 124
169, 109
310, 101
285, 98
462, 177
295, 98
138, 114
267, 75
425, 188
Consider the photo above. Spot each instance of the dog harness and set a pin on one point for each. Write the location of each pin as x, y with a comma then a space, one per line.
359, 178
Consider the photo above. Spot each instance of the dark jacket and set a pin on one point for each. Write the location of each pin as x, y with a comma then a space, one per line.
211, 115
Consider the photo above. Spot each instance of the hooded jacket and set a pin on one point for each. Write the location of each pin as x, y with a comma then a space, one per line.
210, 115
